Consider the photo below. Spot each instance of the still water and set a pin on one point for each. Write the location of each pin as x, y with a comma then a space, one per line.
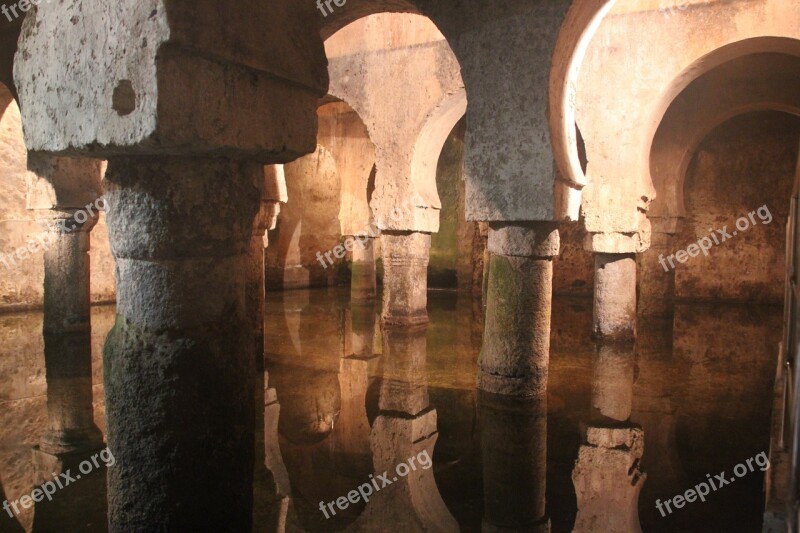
356, 402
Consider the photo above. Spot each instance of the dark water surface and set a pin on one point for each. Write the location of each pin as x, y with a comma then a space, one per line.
355, 401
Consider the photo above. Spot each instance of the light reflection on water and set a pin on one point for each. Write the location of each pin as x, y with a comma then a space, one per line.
700, 386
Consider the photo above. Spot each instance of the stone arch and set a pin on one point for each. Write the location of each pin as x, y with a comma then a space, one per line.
754, 82
437, 128
357, 9
621, 103
580, 26
355, 159
400, 121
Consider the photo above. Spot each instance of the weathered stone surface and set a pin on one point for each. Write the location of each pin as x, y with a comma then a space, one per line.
509, 160
516, 341
371, 72
405, 282
179, 375
65, 183
608, 481
614, 297
138, 76
524, 240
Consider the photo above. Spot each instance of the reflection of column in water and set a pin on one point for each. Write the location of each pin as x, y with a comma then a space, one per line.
270, 480
612, 384
68, 339
363, 279
405, 383
514, 450
607, 477
405, 429
351, 433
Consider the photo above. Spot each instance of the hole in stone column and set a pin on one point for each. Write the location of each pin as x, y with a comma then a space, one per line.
124, 98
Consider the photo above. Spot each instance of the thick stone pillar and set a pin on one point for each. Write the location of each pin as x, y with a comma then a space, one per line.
405, 277
514, 450
179, 364
363, 282
614, 297
516, 340
68, 335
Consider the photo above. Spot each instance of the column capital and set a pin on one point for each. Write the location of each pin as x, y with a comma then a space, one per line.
524, 239
68, 221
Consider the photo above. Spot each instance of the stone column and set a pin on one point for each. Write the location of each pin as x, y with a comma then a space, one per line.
363, 282
614, 297
68, 335
514, 449
405, 277
516, 340
179, 364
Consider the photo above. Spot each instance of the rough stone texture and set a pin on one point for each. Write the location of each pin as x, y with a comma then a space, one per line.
453, 246
513, 434
22, 280
405, 282
612, 385
68, 338
179, 374
573, 268
621, 103
614, 297
509, 161
743, 165
756, 82
343, 133
524, 240
516, 341
608, 482
124, 73
370, 70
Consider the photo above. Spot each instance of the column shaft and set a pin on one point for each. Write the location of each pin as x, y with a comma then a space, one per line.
179, 364
516, 341
68, 334
405, 277
614, 297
